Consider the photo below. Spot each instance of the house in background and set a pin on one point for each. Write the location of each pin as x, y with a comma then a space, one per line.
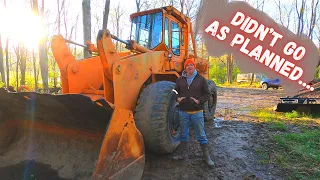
247, 77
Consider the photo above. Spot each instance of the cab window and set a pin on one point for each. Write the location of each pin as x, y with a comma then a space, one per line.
175, 38
166, 32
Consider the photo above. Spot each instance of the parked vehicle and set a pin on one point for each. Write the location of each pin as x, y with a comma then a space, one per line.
270, 83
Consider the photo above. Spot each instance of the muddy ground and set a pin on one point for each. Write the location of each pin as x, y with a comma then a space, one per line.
234, 138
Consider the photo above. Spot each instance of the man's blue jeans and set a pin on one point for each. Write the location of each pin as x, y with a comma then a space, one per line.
197, 122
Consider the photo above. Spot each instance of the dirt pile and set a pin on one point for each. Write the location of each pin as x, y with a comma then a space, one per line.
46, 137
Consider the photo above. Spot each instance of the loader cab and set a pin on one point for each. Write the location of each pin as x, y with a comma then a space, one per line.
163, 29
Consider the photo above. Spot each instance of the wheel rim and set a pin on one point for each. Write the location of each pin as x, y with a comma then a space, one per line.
174, 122
264, 86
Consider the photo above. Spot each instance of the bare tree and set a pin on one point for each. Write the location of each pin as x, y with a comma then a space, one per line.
65, 15
139, 5
230, 64
42, 49
17, 51
106, 14
182, 3
6, 51
3, 76
191, 9
86, 14
258, 5
118, 13
7, 61
34, 62
153, 4
284, 12
23, 64
74, 28
300, 13
313, 18
59, 16
59, 32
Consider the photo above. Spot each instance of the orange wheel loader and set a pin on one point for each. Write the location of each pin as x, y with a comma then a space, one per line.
113, 105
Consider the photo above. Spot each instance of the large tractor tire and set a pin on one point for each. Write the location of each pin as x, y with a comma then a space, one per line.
211, 104
156, 116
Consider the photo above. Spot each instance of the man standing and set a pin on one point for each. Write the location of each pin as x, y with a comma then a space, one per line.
193, 92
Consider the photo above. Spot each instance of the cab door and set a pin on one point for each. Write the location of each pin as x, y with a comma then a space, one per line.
174, 42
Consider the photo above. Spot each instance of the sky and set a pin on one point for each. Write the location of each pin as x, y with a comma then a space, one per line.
21, 26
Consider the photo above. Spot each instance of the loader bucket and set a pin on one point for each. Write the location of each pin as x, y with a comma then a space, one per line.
69, 136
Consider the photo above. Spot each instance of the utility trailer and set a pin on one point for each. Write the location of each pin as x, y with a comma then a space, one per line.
299, 104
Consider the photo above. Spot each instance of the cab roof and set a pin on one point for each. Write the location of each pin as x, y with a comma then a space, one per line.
167, 9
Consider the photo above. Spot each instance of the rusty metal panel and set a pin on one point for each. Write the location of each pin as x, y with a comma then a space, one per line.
130, 74
85, 74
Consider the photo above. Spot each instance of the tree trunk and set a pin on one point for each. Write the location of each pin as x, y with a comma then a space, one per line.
7, 62
182, 5
6, 50
54, 74
106, 14
17, 67
252, 78
43, 66
118, 30
86, 14
229, 68
59, 24
228, 61
300, 14
43, 58
35, 71
138, 5
23, 65
7, 54
58, 3
313, 18
3, 76
118, 14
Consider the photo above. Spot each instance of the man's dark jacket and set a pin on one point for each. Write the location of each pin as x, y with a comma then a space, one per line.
198, 89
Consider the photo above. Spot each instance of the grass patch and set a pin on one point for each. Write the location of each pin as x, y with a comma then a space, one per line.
295, 146
241, 85
293, 114
278, 126
269, 116
299, 153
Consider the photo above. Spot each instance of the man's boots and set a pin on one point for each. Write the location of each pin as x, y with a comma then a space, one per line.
183, 152
206, 154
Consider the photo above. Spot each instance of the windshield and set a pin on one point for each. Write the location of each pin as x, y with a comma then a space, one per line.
147, 30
